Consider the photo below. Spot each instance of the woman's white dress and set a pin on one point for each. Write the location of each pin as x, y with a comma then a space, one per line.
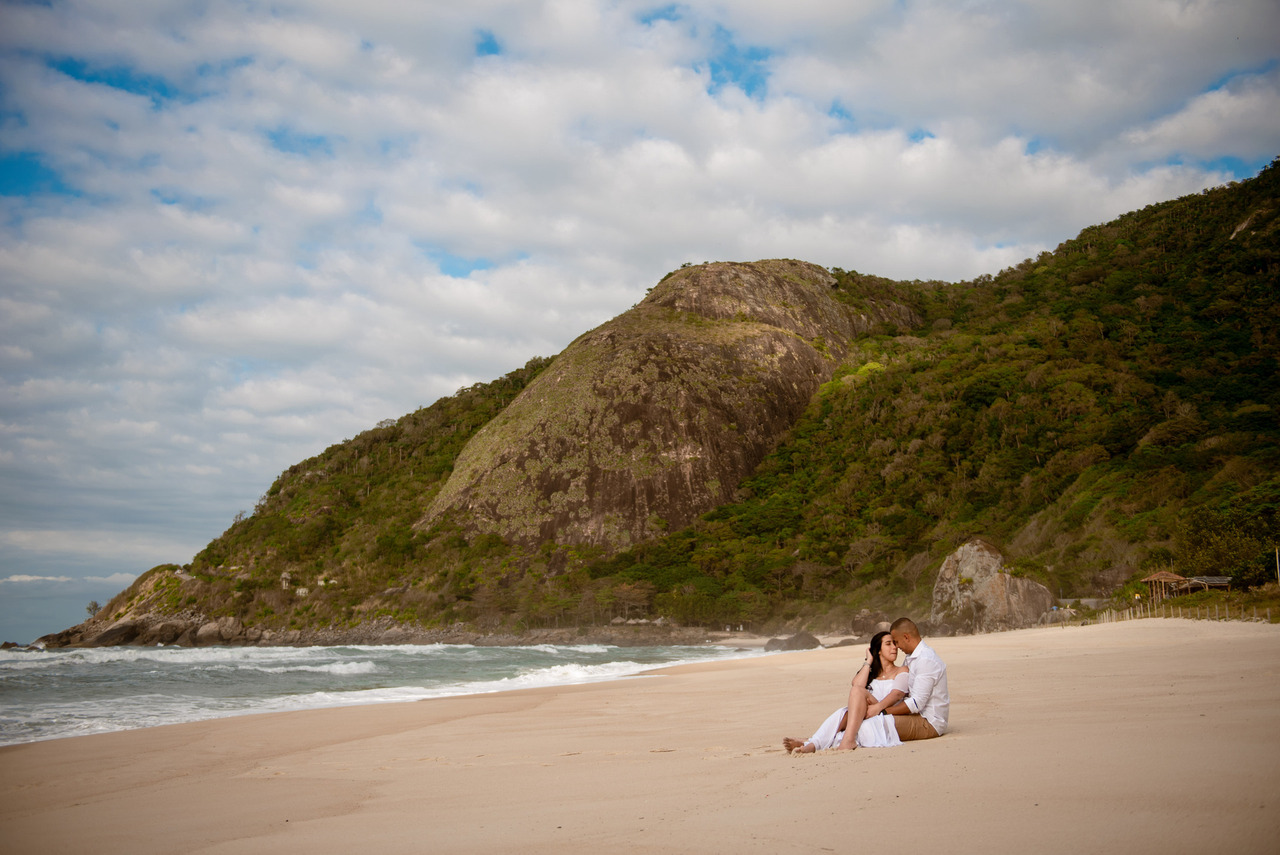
875, 732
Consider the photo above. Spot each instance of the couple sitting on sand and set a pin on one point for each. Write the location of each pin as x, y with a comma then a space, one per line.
893, 703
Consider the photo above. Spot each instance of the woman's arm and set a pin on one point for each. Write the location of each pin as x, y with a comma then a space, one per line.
901, 688
863, 671
889, 700
900, 707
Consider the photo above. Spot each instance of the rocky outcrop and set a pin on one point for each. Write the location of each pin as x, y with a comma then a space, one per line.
382, 631
974, 592
867, 623
647, 422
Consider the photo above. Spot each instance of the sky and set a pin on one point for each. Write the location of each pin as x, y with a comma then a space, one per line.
235, 233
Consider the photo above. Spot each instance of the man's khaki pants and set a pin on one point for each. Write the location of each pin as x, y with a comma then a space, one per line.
913, 727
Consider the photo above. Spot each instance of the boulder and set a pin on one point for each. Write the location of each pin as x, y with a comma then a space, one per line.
230, 629
165, 632
121, 633
208, 634
868, 623
799, 641
66, 638
975, 593
394, 635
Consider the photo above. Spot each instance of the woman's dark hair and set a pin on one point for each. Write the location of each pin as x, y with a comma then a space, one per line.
874, 671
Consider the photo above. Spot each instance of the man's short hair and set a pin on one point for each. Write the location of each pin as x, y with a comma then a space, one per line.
904, 624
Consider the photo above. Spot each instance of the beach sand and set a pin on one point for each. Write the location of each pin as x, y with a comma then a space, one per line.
1148, 736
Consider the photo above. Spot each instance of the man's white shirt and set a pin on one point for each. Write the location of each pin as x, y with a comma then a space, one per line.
929, 695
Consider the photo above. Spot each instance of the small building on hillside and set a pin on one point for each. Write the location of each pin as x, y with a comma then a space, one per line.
1163, 584
1204, 583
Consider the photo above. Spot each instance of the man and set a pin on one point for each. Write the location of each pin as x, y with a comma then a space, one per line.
923, 714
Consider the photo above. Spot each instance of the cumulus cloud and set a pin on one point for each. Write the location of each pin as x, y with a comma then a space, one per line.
233, 234
1240, 119
146, 548
115, 579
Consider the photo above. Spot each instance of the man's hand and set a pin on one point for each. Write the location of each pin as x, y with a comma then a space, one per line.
890, 701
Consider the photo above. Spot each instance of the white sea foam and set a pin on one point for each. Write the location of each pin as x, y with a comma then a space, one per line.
567, 649
74, 692
330, 668
555, 675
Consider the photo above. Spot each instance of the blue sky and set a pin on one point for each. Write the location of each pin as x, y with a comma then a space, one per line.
233, 233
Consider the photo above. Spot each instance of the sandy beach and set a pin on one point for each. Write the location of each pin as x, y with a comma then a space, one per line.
1149, 736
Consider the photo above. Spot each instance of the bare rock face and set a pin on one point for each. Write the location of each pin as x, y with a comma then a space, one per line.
976, 594
654, 418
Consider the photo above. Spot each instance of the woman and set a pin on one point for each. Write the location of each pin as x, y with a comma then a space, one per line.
885, 683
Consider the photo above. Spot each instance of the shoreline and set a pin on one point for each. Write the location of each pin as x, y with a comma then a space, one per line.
1106, 737
202, 632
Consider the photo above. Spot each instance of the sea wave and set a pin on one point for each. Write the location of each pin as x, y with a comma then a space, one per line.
95, 690
554, 675
562, 649
159, 653
329, 668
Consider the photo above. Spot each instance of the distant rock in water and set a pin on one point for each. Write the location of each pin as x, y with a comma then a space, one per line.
974, 593
647, 422
799, 641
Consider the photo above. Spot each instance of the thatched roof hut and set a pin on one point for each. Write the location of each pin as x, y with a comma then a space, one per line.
1162, 583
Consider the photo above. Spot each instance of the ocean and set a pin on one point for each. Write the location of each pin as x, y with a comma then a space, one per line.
58, 693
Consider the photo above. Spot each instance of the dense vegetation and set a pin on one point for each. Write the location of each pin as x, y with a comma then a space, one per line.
1099, 411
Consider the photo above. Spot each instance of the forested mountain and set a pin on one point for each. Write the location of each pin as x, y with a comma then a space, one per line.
1100, 410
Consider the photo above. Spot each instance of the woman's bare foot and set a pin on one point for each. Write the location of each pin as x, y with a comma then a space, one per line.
797, 746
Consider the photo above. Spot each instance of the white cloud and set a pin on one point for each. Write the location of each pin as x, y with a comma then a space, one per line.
1239, 120
142, 548
115, 579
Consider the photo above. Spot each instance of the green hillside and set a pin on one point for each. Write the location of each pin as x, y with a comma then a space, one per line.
1103, 409
1100, 410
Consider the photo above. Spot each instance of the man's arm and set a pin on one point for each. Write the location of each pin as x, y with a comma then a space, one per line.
890, 700
924, 676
